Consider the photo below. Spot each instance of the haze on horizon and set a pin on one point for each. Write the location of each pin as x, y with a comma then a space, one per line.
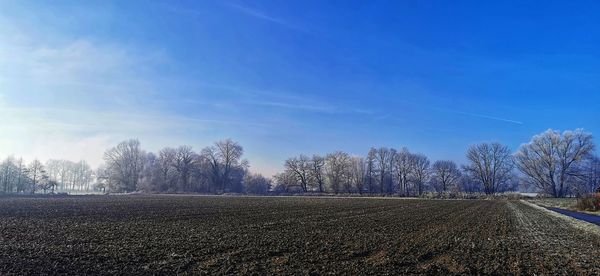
284, 78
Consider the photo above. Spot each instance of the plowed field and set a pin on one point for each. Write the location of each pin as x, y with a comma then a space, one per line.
275, 235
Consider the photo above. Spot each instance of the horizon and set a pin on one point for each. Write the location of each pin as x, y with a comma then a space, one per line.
290, 78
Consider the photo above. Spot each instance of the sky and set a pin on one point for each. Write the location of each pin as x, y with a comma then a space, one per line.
289, 77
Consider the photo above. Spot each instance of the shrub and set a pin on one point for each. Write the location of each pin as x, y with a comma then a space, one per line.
589, 202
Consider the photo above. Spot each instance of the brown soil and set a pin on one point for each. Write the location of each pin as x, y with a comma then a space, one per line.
244, 235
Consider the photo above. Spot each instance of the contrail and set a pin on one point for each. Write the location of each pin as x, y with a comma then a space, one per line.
482, 116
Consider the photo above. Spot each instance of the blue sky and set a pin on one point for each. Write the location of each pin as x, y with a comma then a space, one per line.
290, 77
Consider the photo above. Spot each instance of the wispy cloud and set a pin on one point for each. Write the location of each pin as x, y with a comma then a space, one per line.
283, 99
263, 16
459, 112
482, 116
304, 107
489, 117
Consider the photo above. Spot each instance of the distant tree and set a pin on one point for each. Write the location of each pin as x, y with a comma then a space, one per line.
230, 154
490, 164
124, 164
149, 175
184, 163
301, 168
445, 174
357, 173
21, 175
37, 174
589, 182
469, 184
225, 166
103, 178
8, 174
211, 157
404, 169
64, 170
551, 161
337, 166
286, 182
257, 184
48, 185
383, 158
371, 173
167, 174
391, 187
317, 164
420, 172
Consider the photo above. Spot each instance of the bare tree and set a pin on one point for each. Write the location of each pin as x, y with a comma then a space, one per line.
301, 168
446, 174
184, 161
371, 169
125, 163
230, 154
225, 165
257, 184
551, 160
285, 182
592, 176
8, 173
210, 154
167, 172
420, 172
21, 175
403, 169
37, 174
357, 173
336, 166
63, 171
490, 164
317, 164
383, 157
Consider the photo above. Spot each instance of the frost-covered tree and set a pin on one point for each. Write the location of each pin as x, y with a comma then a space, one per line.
337, 170
589, 182
300, 167
184, 163
286, 182
357, 173
317, 164
125, 163
490, 164
256, 184
403, 167
166, 173
37, 175
445, 174
551, 161
420, 172
384, 157
225, 165
371, 173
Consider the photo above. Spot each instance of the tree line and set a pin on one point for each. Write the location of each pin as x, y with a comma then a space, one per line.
557, 164
217, 168
54, 176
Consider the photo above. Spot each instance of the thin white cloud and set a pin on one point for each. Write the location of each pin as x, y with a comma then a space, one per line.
263, 16
482, 116
489, 117
305, 107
